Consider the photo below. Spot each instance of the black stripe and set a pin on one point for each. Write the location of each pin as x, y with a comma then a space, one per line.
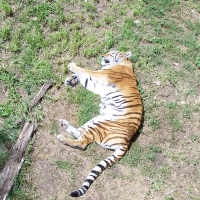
100, 126
95, 172
89, 181
86, 82
111, 160
115, 158
101, 166
107, 163
101, 137
83, 128
117, 96
110, 93
85, 188
91, 133
93, 176
129, 113
81, 191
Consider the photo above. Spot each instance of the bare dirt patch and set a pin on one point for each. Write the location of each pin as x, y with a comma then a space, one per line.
50, 182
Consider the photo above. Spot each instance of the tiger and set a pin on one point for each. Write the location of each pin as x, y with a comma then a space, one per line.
120, 111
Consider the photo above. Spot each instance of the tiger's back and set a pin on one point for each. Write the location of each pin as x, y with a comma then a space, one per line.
120, 111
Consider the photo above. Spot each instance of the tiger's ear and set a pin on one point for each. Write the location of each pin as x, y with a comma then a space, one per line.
128, 54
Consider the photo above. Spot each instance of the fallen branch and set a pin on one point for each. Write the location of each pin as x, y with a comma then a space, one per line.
40, 94
15, 160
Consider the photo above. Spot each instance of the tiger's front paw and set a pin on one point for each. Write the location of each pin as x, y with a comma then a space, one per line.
71, 65
72, 81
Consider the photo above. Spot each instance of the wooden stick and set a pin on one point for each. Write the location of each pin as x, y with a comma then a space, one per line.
15, 160
40, 94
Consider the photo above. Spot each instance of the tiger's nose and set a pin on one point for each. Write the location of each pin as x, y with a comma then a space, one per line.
105, 59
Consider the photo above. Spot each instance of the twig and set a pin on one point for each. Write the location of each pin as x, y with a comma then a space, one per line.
40, 94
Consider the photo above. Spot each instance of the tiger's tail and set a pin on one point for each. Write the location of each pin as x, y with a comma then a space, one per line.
97, 170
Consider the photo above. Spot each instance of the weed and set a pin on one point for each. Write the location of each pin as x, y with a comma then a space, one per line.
3, 156
132, 157
5, 33
107, 18
67, 167
86, 101
150, 154
186, 112
53, 128
197, 62
155, 149
169, 198
108, 43
5, 110
174, 123
193, 138
171, 105
154, 123
89, 7
196, 162
6, 8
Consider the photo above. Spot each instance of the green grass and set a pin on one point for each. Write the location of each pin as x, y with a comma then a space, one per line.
67, 167
53, 128
39, 39
86, 101
133, 156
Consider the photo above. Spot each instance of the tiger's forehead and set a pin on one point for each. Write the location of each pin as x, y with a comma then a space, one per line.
113, 52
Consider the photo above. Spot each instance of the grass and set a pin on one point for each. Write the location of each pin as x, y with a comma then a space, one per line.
66, 166
86, 101
39, 39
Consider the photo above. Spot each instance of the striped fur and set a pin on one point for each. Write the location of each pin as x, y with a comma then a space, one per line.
120, 111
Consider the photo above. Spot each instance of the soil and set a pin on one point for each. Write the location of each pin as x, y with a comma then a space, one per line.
48, 181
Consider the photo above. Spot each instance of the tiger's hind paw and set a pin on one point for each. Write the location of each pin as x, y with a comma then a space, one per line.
60, 138
64, 123
72, 81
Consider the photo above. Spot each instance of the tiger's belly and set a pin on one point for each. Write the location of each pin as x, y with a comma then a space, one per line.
107, 146
110, 110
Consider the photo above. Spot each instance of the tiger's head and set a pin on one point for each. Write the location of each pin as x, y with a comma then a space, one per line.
114, 57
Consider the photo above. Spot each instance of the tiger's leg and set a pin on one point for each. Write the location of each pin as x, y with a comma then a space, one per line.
87, 133
87, 78
80, 143
76, 144
70, 129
